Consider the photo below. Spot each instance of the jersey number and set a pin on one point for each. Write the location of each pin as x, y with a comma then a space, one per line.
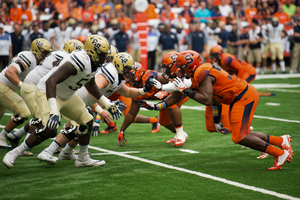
79, 83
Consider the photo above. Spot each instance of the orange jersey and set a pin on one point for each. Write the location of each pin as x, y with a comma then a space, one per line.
233, 65
149, 95
225, 87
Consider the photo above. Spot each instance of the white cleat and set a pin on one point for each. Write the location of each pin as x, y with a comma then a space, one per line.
88, 162
181, 139
286, 143
46, 156
263, 156
10, 158
3, 143
67, 156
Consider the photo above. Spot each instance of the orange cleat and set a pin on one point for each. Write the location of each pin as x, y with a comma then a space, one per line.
109, 129
155, 127
280, 160
173, 140
286, 144
181, 139
263, 156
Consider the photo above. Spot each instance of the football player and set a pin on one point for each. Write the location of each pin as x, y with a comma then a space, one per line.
109, 78
29, 86
170, 118
211, 83
55, 94
11, 79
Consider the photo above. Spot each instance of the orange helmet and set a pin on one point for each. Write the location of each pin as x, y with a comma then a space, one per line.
216, 53
168, 64
134, 76
188, 61
82, 38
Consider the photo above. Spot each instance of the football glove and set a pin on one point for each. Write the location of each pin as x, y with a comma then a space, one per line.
146, 104
157, 84
179, 85
161, 94
53, 121
148, 84
114, 111
121, 106
221, 129
95, 129
121, 139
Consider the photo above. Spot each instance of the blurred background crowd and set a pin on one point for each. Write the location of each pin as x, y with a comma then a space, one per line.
239, 26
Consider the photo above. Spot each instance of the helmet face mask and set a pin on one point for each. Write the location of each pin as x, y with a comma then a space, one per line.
112, 52
134, 76
169, 64
216, 53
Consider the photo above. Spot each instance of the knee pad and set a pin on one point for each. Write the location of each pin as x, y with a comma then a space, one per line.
36, 122
69, 132
18, 119
44, 133
85, 129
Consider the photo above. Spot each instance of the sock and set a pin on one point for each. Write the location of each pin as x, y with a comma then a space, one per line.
19, 133
179, 128
152, 120
111, 124
257, 70
3, 133
27, 135
282, 65
22, 148
274, 67
83, 151
275, 140
273, 150
53, 147
68, 148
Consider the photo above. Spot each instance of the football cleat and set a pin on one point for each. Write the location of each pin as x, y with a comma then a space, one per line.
155, 127
263, 156
109, 129
3, 143
27, 153
181, 139
88, 162
286, 143
14, 140
10, 158
280, 160
67, 156
46, 156
172, 140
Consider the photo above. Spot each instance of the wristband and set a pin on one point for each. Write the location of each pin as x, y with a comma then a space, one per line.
142, 92
52, 106
160, 106
20, 84
104, 101
95, 124
98, 109
215, 113
190, 93
98, 118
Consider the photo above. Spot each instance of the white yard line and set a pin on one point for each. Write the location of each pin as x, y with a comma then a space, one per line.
272, 104
188, 151
223, 180
276, 76
282, 90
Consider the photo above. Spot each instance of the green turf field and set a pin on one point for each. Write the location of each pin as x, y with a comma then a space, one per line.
152, 169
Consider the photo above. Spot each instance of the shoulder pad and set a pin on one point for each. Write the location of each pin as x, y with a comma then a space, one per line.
26, 58
109, 72
78, 61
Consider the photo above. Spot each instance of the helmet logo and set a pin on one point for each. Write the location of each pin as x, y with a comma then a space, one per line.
123, 59
95, 43
189, 59
39, 44
76, 46
173, 57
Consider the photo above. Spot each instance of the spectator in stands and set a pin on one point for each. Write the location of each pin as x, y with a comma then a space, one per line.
232, 42
282, 17
168, 40
223, 36
224, 8
14, 11
296, 50
203, 14
254, 48
134, 42
197, 40
5, 8
123, 19
212, 34
4, 18
26, 32
5, 47
108, 3
35, 34
62, 7
61, 35
273, 5
45, 28
187, 13
113, 29
181, 36
243, 41
75, 11
46, 8
295, 16
172, 2
153, 37
24, 14
289, 8
250, 11
17, 39
121, 39
266, 11
128, 8
87, 15
167, 15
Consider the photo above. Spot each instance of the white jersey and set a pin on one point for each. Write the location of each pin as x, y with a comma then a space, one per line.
82, 63
45, 66
211, 41
62, 36
110, 72
181, 37
28, 59
274, 33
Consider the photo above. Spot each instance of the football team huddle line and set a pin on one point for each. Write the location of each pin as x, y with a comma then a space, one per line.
55, 88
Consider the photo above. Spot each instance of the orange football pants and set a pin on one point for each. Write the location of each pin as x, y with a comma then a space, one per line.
241, 112
209, 119
164, 117
250, 75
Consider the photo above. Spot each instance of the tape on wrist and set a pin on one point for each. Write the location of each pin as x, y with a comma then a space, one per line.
20, 84
104, 101
52, 106
142, 92
98, 109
